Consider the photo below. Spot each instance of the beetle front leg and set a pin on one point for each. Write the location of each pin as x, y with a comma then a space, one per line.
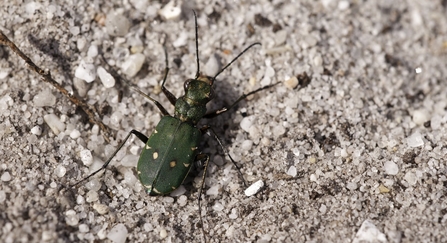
167, 93
139, 135
225, 109
136, 89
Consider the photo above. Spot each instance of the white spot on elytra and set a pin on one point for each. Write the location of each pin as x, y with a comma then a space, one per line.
172, 163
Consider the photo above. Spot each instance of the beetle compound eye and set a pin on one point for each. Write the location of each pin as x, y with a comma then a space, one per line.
186, 84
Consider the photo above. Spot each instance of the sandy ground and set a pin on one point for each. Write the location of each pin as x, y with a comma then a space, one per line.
360, 140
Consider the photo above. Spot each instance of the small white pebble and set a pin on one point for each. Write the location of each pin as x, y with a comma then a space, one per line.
31, 7
92, 51
254, 188
291, 83
75, 134
318, 61
323, 208
102, 233
178, 192
36, 130
83, 228
91, 196
218, 207
53, 184
247, 122
95, 129
292, 171
415, 140
129, 177
71, 218
168, 199
80, 199
130, 160
230, 232
368, 232
47, 235
117, 24
435, 122
416, 18
81, 87
93, 185
182, 200
163, 233
101, 208
54, 123
86, 71
351, 186
74, 30
343, 5
81, 44
5, 102
44, 98
420, 116
278, 130
133, 64
106, 78
233, 214
280, 37
4, 72
411, 178
60, 171
170, 11
391, 168
86, 157
2, 196
268, 75
247, 145
6, 176
118, 233
213, 191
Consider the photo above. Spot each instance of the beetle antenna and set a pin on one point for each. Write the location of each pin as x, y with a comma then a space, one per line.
197, 45
240, 54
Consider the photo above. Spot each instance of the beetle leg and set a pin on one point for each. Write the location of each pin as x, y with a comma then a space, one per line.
135, 88
204, 129
225, 109
201, 157
167, 93
139, 135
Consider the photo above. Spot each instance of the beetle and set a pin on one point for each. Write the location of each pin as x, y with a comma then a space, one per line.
170, 152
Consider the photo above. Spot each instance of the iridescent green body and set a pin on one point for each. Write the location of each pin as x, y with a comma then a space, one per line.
172, 148
168, 155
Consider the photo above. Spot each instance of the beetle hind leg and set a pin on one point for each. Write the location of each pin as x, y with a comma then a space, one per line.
206, 159
139, 135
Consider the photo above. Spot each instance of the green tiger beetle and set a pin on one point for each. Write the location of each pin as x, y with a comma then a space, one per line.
173, 147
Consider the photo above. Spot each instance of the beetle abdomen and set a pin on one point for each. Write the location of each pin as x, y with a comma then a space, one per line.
168, 155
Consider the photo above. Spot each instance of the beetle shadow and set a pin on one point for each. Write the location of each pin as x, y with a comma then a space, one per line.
51, 47
223, 125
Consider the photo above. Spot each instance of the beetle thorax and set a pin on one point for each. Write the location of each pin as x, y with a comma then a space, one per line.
192, 106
